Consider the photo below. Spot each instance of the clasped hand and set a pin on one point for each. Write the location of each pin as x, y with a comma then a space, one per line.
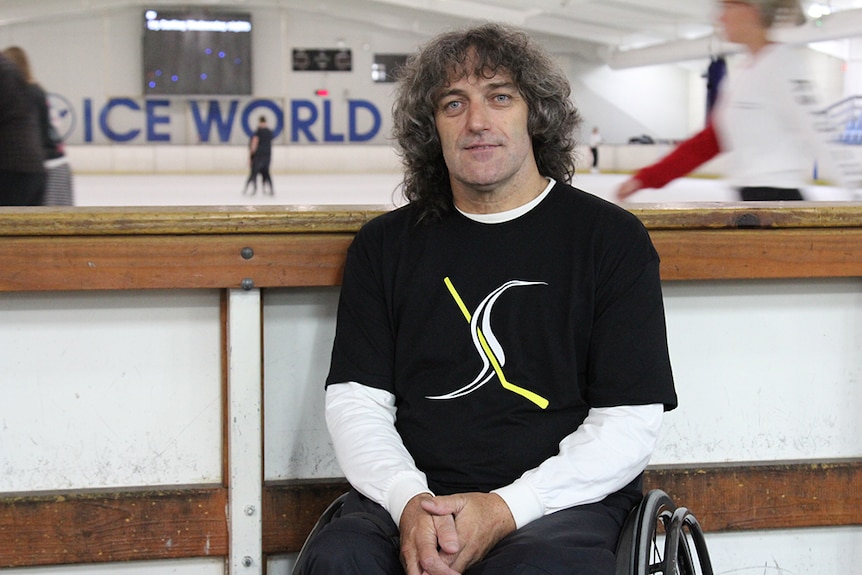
445, 535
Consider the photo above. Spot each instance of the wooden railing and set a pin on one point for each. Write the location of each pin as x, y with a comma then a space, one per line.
61, 249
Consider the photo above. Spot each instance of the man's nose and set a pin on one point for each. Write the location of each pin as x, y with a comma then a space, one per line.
478, 118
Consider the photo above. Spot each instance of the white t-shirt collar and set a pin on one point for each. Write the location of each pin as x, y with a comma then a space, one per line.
509, 215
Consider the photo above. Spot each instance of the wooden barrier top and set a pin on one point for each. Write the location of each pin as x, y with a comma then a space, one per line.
65, 221
50, 249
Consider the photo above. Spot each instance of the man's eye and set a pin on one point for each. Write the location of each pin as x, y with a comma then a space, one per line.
451, 107
502, 98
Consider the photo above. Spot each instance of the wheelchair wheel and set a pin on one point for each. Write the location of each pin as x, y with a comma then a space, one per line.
661, 538
685, 545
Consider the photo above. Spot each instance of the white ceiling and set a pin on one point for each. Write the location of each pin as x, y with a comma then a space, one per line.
620, 32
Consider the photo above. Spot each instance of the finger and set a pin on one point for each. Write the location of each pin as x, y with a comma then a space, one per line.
437, 566
431, 562
414, 546
420, 552
447, 534
410, 563
444, 505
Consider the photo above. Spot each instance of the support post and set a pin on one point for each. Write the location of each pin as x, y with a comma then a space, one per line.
245, 432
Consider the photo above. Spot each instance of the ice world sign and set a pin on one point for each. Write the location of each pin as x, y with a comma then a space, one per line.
215, 120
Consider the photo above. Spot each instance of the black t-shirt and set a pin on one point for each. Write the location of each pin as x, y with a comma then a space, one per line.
264, 143
496, 339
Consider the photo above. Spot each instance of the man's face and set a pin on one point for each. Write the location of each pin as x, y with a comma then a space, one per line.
482, 125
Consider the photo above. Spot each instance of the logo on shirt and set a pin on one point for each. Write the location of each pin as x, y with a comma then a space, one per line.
489, 348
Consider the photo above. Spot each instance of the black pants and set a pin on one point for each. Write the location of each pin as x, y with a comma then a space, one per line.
765, 194
21, 189
260, 165
363, 540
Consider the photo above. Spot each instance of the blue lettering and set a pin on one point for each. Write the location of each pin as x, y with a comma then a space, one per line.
214, 120
328, 136
88, 120
103, 119
153, 119
214, 115
302, 124
354, 106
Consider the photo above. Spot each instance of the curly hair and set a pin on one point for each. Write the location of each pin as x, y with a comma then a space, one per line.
479, 52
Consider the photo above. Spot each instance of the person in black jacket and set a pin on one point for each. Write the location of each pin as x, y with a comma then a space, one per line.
22, 173
58, 173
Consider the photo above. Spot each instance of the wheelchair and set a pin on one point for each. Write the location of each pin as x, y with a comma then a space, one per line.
657, 538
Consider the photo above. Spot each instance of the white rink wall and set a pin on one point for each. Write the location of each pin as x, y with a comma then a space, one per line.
765, 370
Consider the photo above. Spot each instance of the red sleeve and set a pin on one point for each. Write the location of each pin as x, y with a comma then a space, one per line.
690, 154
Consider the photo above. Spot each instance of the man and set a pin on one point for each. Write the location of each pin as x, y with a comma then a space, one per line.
260, 155
500, 366
595, 142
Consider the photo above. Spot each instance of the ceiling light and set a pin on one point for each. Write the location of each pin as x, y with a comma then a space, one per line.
819, 10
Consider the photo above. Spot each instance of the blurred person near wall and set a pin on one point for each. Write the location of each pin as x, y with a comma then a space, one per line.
766, 116
595, 142
22, 173
260, 155
58, 173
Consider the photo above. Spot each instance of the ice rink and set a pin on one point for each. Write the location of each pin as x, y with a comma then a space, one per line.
352, 189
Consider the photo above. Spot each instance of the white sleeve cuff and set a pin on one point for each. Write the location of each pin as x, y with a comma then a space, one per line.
523, 502
401, 492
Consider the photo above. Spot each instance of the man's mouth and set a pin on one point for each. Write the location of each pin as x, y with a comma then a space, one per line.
479, 147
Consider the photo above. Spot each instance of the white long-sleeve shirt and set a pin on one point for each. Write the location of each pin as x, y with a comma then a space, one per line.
604, 454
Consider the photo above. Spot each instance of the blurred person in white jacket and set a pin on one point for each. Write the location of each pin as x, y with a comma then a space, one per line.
767, 116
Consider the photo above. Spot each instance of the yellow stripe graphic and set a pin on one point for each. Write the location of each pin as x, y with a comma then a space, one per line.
534, 397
